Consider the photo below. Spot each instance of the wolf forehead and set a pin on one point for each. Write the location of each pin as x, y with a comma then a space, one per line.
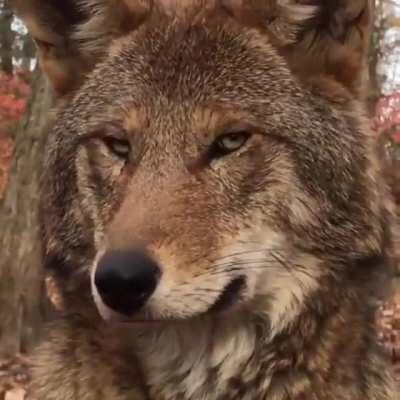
202, 64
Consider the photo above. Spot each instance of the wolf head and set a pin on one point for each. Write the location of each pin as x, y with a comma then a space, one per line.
208, 157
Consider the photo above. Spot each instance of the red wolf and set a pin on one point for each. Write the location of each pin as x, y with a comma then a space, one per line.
211, 191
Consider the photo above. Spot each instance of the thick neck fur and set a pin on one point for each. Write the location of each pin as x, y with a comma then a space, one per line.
207, 359
236, 358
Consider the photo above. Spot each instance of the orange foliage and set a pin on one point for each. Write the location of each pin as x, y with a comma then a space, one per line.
14, 92
388, 117
387, 126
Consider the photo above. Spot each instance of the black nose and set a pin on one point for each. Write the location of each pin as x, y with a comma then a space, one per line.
126, 279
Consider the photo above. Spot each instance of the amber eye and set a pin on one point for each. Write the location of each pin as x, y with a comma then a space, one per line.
229, 142
119, 147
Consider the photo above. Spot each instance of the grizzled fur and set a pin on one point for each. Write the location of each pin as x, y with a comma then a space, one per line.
299, 214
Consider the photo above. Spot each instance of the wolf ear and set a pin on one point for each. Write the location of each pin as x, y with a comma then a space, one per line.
71, 35
318, 38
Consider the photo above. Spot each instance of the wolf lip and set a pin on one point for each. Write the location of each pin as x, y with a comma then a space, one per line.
229, 295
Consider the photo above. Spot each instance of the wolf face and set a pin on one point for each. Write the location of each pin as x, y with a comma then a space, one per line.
203, 176
214, 159
210, 179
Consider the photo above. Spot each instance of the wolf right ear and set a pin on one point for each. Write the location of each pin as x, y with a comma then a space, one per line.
72, 34
320, 39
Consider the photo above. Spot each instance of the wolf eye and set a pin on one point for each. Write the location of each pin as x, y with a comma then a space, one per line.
230, 142
119, 147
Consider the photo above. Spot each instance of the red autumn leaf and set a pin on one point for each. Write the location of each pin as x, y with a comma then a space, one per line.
387, 113
14, 92
396, 137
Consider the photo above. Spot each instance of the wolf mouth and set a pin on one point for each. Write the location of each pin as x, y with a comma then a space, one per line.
230, 295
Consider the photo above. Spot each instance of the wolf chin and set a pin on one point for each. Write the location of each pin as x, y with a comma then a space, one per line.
212, 209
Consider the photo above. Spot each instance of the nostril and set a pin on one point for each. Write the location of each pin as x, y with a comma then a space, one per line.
126, 279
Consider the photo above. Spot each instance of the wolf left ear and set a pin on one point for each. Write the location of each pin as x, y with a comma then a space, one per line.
325, 39
72, 34
51, 24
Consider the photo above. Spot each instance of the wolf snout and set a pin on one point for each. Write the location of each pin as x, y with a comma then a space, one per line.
126, 279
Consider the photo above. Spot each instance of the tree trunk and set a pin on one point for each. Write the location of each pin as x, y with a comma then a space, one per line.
21, 279
375, 55
28, 52
7, 38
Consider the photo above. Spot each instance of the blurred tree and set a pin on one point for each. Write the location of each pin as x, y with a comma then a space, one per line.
13, 96
385, 74
21, 284
7, 37
375, 56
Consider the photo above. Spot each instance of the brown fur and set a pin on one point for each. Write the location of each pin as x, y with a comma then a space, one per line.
299, 215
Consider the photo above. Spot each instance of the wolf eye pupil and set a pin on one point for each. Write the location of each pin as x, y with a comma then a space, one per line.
119, 147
